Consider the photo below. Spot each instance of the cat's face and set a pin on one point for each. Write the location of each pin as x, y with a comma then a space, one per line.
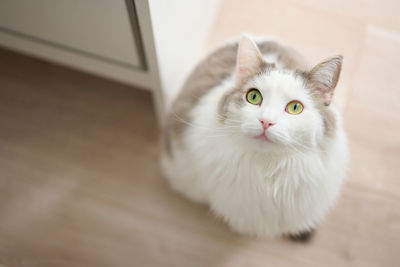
275, 108
279, 108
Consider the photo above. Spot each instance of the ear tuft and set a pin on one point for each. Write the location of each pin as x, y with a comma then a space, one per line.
249, 60
324, 77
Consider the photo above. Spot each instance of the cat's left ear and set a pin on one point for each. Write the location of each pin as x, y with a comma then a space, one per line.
249, 60
324, 77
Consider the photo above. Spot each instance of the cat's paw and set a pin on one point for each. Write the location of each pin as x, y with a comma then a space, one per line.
304, 236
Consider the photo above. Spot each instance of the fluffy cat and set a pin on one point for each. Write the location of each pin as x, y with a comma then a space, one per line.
254, 135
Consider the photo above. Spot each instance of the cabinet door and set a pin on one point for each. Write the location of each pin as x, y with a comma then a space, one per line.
101, 29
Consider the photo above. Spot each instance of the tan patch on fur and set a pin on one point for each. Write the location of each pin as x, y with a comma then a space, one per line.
328, 117
233, 96
287, 56
211, 71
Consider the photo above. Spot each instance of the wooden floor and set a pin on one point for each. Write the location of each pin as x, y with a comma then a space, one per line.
80, 183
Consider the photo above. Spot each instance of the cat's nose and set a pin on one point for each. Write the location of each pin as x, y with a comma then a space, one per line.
266, 123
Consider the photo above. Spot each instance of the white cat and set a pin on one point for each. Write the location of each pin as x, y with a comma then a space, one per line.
253, 134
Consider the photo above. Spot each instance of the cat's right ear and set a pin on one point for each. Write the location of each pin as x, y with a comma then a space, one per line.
249, 60
325, 76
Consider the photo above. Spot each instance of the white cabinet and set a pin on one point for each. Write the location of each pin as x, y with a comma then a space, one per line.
96, 28
113, 38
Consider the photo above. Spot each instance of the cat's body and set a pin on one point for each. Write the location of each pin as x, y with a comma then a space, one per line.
264, 171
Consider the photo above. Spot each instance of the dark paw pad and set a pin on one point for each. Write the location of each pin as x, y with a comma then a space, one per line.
302, 236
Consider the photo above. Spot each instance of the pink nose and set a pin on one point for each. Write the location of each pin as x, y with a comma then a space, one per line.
266, 124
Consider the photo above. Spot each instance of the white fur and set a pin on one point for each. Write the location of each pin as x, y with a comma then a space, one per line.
258, 187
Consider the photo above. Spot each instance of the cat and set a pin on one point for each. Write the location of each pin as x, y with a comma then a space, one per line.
254, 134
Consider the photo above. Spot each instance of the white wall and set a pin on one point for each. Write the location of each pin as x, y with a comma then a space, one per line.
180, 30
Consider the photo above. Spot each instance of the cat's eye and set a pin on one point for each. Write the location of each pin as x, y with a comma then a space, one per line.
254, 96
294, 107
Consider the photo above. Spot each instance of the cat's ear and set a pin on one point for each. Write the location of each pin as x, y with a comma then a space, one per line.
324, 77
249, 60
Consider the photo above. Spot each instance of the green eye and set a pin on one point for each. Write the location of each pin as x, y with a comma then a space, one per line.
294, 107
254, 96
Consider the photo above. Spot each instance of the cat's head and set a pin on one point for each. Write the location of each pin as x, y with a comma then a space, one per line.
279, 107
